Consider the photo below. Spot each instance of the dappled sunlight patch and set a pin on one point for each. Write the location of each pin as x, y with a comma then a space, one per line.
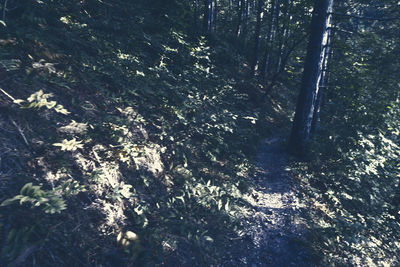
69, 145
107, 185
128, 57
52, 178
10, 64
352, 206
150, 160
114, 213
68, 20
74, 128
110, 176
42, 65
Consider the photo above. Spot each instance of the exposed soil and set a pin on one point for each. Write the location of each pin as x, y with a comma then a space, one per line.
273, 234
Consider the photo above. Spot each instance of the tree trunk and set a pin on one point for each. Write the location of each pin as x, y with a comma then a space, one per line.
284, 34
196, 14
313, 66
271, 29
256, 39
246, 20
241, 5
323, 76
207, 17
215, 16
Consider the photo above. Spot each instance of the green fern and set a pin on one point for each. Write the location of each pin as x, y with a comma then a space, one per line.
39, 100
34, 195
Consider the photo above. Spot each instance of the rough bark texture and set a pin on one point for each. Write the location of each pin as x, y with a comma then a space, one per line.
270, 34
284, 33
323, 74
241, 7
215, 16
311, 77
256, 38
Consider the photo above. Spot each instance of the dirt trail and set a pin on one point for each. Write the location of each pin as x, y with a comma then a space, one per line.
272, 236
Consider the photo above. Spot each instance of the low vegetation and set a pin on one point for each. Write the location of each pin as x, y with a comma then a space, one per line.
128, 139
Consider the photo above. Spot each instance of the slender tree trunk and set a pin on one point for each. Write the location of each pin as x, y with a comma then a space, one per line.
215, 16
207, 19
241, 5
210, 16
206, 15
196, 14
285, 33
256, 38
246, 19
323, 76
313, 66
271, 29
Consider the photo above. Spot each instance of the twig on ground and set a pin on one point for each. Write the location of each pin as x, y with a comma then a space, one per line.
19, 130
4, 10
21, 258
13, 122
9, 96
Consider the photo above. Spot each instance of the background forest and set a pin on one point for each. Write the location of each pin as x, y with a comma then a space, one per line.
129, 129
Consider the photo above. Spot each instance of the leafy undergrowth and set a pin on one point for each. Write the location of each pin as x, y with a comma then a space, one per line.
351, 189
122, 143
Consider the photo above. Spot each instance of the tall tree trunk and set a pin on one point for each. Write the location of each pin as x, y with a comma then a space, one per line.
241, 6
256, 39
196, 14
207, 17
313, 66
215, 16
246, 19
323, 76
271, 29
285, 33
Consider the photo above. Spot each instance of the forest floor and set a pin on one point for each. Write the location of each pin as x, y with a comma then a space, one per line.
273, 235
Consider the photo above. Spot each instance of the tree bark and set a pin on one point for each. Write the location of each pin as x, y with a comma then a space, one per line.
246, 19
323, 77
312, 73
270, 34
196, 14
241, 5
256, 39
284, 33
215, 16
207, 14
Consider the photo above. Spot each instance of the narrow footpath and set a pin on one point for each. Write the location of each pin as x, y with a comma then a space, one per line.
273, 236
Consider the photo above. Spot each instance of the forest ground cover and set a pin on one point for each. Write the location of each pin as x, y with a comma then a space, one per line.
129, 159
128, 143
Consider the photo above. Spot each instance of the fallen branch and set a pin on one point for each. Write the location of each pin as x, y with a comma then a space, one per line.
4, 10
21, 258
12, 121
19, 130
9, 96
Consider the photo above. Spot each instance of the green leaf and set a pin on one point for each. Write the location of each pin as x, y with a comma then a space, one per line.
209, 238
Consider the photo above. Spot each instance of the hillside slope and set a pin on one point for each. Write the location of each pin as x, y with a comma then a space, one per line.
122, 142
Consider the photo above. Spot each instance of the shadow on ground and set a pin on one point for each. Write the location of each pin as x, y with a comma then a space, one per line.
273, 234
